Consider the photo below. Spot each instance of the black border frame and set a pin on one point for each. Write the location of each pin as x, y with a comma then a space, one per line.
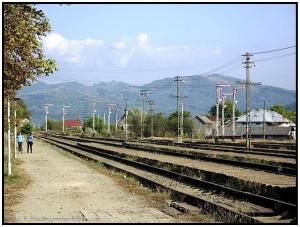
145, 3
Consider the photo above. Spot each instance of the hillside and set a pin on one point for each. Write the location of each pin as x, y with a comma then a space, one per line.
200, 92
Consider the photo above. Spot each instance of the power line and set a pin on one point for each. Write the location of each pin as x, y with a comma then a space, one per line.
270, 51
271, 58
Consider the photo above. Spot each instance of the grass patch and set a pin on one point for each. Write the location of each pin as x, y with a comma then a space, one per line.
13, 184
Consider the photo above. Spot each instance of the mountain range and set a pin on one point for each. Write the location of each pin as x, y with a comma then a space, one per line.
198, 92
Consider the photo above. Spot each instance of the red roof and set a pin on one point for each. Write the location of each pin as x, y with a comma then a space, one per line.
72, 123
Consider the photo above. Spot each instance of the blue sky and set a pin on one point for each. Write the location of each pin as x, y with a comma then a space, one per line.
141, 43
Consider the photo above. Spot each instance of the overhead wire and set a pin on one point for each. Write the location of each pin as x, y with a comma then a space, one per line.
275, 57
275, 50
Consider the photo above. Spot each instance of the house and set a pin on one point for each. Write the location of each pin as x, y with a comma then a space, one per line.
73, 123
203, 126
276, 126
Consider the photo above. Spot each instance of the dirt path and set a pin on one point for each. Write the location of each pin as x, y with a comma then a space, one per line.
65, 190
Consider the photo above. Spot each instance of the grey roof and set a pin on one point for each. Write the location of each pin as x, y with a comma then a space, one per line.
270, 116
204, 119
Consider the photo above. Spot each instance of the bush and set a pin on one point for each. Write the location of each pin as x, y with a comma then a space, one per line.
28, 127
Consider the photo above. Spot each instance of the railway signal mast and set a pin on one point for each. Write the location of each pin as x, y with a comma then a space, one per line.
63, 116
110, 107
93, 114
219, 88
179, 136
143, 93
46, 106
151, 102
126, 115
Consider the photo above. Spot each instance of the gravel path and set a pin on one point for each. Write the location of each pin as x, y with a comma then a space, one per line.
239, 172
65, 190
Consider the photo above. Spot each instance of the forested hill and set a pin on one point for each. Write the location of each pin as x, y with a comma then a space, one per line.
200, 93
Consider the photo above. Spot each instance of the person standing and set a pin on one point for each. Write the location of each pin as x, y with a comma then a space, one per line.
20, 140
29, 142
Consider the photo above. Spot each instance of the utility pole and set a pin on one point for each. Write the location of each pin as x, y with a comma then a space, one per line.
233, 112
217, 111
223, 107
151, 111
181, 123
110, 107
94, 112
116, 118
46, 117
177, 80
248, 64
8, 136
15, 131
104, 119
63, 116
126, 114
219, 88
264, 120
143, 93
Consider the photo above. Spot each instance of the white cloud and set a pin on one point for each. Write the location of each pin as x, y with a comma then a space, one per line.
69, 50
142, 40
82, 56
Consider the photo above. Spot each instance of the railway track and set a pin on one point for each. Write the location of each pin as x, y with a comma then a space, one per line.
281, 167
226, 148
254, 208
286, 148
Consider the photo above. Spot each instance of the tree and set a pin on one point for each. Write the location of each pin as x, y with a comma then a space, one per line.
159, 125
291, 115
24, 27
227, 110
53, 125
28, 127
187, 123
134, 121
99, 125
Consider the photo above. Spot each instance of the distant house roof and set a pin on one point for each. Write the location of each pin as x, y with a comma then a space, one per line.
258, 116
211, 117
72, 123
203, 119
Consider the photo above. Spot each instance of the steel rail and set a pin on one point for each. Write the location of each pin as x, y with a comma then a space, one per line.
277, 205
284, 170
216, 209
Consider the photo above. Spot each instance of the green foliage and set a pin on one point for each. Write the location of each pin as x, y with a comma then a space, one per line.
99, 124
24, 27
172, 123
134, 121
227, 110
159, 125
28, 127
21, 112
53, 125
291, 115
162, 126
